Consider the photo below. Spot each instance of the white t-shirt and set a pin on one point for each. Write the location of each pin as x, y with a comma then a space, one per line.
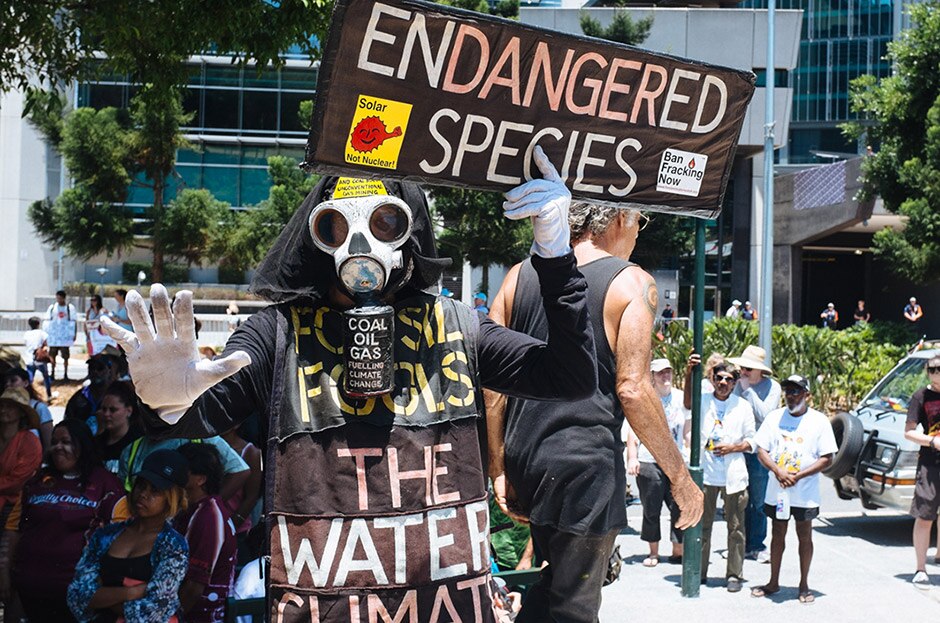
61, 313
676, 417
728, 421
795, 443
33, 339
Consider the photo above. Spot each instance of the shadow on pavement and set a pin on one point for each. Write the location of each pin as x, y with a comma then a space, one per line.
889, 531
787, 594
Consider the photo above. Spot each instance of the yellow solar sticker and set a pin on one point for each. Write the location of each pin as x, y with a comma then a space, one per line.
377, 132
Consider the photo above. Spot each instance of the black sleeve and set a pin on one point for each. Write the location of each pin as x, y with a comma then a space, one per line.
915, 409
226, 404
562, 368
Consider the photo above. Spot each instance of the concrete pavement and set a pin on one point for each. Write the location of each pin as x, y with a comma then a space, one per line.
861, 570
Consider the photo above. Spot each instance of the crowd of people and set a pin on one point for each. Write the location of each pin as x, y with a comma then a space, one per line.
762, 458
911, 315
104, 524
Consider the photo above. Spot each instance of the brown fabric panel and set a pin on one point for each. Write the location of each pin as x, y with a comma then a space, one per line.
464, 601
433, 379
354, 470
417, 549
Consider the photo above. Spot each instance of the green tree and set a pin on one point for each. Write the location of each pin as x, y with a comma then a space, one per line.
901, 115
104, 150
88, 218
65, 40
622, 29
475, 229
189, 223
157, 115
245, 237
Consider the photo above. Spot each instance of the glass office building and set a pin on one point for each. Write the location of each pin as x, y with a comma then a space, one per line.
840, 40
240, 118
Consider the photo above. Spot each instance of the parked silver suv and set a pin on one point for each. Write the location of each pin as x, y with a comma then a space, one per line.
875, 463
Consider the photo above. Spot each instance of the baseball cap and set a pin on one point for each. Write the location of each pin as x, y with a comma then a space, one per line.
480, 295
165, 469
736, 303
795, 379
658, 365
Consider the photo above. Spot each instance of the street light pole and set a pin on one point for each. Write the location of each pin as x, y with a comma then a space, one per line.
767, 255
101, 273
692, 538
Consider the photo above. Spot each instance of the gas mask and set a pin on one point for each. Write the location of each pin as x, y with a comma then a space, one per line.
364, 235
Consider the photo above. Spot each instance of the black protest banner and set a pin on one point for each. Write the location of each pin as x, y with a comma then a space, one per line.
431, 93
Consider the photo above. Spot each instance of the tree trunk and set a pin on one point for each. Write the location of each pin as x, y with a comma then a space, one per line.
157, 219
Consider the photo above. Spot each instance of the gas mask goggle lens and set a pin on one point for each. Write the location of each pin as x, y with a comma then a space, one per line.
363, 236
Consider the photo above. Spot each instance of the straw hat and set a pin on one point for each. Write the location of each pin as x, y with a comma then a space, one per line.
752, 357
19, 398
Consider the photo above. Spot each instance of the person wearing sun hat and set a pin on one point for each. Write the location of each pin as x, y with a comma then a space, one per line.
20, 449
655, 488
763, 394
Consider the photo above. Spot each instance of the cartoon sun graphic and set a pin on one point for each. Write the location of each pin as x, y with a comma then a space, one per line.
370, 133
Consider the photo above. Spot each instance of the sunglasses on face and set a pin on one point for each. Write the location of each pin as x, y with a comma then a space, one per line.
793, 391
745, 369
724, 378
933, 369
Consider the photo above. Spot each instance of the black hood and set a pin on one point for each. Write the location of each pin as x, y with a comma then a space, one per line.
296, 268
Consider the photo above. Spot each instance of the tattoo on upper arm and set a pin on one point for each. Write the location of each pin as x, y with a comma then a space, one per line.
651, 297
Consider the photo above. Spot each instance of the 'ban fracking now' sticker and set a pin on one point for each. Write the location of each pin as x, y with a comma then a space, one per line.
681, 172
378, 129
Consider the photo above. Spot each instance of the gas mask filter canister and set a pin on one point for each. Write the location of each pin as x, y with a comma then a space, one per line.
364, 236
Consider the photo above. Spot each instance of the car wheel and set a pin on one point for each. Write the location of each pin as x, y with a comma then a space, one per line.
849, 434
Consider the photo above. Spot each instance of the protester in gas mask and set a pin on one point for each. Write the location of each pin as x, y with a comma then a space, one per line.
377, 492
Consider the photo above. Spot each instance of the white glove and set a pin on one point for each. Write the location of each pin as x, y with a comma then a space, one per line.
168, 372
546, 201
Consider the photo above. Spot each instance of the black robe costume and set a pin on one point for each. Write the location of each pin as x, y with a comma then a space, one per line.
376, 509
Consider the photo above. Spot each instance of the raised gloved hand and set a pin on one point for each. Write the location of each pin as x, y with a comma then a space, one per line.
168, 372
546, 201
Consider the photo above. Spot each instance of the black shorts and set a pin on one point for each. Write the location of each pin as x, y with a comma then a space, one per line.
926, 503
796, 512
59, 350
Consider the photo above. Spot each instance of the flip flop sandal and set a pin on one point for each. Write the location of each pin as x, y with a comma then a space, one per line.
651, 561
807, 598
674, 560
762, 591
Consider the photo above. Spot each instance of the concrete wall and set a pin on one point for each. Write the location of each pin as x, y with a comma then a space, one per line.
26, 264
798, 224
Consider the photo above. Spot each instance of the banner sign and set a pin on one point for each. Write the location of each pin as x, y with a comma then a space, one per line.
97, 339
61, 332
429, 93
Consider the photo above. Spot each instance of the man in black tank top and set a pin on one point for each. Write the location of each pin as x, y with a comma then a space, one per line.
561, 464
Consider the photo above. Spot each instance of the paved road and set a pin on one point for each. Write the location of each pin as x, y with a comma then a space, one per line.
862, 567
